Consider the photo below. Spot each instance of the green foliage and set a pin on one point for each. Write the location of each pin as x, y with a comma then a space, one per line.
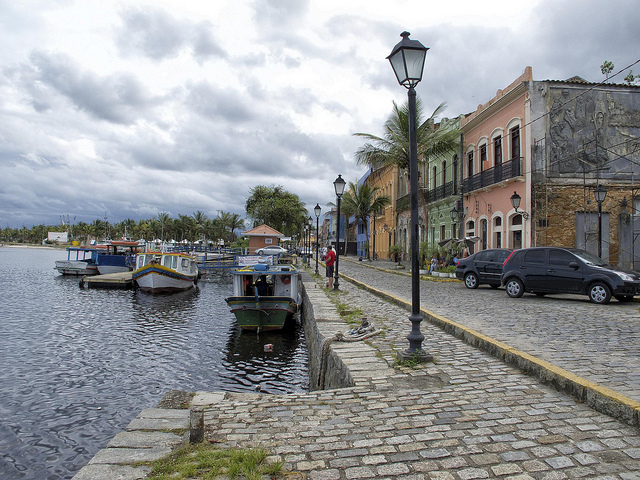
277, 208
394, 252
606, 68
631, 78
393, 147
209, 462
362, 201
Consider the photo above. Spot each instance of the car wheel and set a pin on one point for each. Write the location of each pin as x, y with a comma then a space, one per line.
515, 287
471, 280
624, 298
599, 293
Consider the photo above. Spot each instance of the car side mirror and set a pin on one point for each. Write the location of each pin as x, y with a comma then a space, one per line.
574, 265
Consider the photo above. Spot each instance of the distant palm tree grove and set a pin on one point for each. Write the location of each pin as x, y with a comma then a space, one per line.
196, 227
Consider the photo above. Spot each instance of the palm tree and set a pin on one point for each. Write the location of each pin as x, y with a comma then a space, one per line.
361, 202
393, 147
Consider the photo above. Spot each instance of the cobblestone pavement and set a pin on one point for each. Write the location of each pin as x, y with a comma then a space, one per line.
467, 416
600, 343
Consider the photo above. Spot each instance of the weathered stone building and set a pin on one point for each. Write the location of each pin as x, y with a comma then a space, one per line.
586, 135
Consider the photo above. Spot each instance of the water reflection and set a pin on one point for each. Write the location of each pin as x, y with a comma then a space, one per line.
79, 364
275, 369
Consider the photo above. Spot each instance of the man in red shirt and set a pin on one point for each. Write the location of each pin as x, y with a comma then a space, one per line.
329, 260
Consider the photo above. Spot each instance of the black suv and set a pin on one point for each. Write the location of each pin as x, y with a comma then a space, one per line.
543, 270
482, 267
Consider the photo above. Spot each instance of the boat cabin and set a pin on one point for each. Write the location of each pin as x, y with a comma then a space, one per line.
280, 282
173, 261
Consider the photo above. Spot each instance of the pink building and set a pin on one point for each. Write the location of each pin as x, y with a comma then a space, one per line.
495, 165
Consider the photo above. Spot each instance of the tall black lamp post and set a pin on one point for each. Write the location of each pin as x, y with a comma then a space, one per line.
600, 193
338, 185
317, 211
407, 59
309, 252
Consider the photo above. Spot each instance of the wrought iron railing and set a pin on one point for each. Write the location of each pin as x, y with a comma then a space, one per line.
493, 175
438, 193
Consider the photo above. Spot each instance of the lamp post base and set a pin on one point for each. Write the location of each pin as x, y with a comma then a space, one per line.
419, 356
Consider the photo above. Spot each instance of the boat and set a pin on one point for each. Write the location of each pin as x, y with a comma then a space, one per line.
80, 261
265, 297
120, 256
165, 271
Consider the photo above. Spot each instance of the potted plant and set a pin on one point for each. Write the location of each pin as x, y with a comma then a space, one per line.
394, 253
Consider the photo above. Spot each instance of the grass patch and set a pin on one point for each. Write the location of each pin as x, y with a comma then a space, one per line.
207, 462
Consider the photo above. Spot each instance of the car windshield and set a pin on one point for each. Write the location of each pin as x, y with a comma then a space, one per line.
588, 258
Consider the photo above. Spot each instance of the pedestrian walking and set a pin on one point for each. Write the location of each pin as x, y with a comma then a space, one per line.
329, 260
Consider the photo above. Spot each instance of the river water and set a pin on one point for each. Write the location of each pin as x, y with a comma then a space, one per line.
78, 365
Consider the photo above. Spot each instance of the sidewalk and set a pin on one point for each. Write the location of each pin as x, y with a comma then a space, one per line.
466, 416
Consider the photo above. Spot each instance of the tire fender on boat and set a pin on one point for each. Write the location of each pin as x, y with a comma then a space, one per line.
286, 279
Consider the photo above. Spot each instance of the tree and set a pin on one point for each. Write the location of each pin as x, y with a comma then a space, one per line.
606, 68
393, 147
231, 222
361, 202
277, 208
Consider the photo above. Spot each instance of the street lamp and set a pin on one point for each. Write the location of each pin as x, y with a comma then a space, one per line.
600, 193
407, 59
338, 185
309, 254
515, 203
317, 211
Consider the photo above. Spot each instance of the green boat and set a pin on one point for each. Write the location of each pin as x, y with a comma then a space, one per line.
265, 297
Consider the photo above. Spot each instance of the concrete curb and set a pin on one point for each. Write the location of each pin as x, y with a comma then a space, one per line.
601, 399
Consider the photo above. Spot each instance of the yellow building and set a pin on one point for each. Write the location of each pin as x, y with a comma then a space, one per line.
382, 232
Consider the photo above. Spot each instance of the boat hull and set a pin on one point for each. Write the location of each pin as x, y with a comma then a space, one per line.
75, 267
155, 278
262, 313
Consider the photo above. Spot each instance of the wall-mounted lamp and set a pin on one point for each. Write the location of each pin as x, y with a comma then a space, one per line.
515, 202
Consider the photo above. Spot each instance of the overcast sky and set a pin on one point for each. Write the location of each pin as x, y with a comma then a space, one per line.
125, 109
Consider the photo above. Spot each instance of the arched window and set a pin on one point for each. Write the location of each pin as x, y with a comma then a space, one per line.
444, 172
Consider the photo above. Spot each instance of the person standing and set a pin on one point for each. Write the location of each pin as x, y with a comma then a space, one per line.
329, 260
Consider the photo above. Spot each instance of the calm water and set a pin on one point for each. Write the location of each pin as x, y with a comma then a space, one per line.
79, 365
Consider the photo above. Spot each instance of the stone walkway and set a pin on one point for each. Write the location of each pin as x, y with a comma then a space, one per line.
466, 416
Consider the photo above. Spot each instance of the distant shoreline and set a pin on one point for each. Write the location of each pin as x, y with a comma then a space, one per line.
31, 245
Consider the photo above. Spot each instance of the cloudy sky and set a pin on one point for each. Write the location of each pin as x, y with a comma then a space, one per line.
125, 109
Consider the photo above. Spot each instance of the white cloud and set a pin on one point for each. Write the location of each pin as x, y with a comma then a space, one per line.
134, 108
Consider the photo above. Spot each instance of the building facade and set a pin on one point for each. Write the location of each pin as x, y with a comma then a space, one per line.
496, 166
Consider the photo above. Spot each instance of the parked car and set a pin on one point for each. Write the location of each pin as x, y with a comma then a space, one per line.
271, 250
484, 267
543, 270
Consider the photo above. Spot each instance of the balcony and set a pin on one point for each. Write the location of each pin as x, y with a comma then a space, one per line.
438, 193
493, 175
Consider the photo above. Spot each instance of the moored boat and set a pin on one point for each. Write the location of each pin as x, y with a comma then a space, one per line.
80, 261
265, 297
120, 256
165, 272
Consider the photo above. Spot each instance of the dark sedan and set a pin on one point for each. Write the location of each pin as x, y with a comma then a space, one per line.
484, 267
543, 270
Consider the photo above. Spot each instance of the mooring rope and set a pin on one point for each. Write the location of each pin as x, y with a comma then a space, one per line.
364, 331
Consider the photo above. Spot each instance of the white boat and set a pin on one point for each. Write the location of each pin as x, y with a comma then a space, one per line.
165, 272
80, 261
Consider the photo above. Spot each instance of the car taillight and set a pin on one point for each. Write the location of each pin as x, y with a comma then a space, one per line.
505, 262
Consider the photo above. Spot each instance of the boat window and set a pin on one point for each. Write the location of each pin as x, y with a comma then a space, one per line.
185, 263
175, 263
141, 261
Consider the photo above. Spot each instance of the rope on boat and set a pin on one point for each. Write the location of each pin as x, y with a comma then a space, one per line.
364, 331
